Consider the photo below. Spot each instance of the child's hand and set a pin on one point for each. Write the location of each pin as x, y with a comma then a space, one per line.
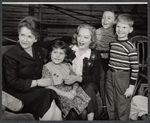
69, 80
44, 82
73, 92
69, 95
129, 91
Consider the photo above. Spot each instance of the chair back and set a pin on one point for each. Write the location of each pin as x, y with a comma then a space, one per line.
141, 43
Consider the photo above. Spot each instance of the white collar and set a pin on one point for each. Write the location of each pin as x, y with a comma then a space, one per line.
87, 54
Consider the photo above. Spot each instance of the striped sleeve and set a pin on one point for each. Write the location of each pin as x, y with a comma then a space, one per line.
133, 58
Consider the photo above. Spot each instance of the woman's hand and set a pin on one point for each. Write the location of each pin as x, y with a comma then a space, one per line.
69, 95
69, 80
44, 82
129, 91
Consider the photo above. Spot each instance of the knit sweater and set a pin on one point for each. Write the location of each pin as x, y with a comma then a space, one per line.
104, 37
123, 55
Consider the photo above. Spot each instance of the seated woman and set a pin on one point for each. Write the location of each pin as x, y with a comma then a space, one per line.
86, 64
22, 66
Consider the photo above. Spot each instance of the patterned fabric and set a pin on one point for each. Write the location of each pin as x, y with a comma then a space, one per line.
57, 72
79, 103
123, 55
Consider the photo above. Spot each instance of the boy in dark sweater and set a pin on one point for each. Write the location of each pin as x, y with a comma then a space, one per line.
123, 71
104, 36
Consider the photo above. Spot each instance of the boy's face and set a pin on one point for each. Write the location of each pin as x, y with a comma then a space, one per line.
108, 19
123, 30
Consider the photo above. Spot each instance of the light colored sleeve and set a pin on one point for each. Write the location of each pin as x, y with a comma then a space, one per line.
47, 74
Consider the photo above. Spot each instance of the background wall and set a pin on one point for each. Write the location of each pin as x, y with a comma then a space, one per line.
59, 20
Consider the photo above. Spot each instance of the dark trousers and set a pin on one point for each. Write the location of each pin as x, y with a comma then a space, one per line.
118, 106
104, 69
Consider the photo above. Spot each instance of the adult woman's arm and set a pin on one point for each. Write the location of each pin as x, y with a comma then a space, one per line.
90, 73
11, 74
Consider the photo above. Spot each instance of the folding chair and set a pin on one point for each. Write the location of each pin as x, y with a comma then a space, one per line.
141, 43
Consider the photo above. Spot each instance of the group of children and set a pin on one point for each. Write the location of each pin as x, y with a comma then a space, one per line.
120, 67
118, 74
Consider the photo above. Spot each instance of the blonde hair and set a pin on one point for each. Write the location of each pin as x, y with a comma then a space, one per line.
92, 31
125, 18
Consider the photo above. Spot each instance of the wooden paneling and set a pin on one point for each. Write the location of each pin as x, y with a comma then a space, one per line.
58, 20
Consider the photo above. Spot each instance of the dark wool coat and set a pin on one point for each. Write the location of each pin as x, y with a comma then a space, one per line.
19, 68
91, 67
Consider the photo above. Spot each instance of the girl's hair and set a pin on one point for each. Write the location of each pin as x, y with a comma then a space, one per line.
32, 24
92, 31
125, 18
58, 44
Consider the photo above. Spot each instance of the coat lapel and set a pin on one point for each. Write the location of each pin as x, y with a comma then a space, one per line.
22, 52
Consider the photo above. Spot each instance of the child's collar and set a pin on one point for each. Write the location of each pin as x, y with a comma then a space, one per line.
122, 40
109, 29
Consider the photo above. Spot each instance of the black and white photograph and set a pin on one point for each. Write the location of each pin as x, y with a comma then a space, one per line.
74, 61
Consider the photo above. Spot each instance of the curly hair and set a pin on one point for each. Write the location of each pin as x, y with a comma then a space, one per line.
58, 44
32, 24
92, 31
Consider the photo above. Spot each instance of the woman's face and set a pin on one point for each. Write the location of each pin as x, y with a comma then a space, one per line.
84, 38
58, 55
26, 38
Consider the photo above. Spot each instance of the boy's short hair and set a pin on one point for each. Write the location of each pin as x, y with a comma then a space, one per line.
125, 18
111, 10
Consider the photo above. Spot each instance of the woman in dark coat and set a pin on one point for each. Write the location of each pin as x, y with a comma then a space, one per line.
22, 66
86, 64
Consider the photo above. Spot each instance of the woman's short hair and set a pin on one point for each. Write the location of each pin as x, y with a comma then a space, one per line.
92, 31
32, 24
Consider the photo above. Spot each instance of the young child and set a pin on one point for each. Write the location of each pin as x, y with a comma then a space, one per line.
123, 71
71, 96
105, 35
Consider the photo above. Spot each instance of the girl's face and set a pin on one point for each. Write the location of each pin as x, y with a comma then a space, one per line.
58, 55
26, 38
84, 38
108, 19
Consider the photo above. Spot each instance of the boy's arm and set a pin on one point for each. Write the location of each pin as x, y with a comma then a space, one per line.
134, 64
134, 72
